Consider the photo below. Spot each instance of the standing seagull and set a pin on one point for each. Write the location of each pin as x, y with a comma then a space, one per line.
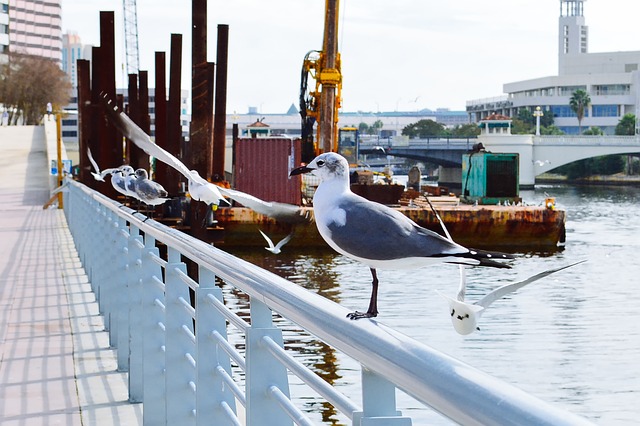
148, 191
278, 247
121, 177
377, 235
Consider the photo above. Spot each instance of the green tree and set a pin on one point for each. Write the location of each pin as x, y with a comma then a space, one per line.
626, 125
424, 129
28, 83
465, 130
579, 103
375, 128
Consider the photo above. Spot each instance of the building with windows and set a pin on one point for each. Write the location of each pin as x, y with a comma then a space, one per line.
72, 50
611, 79
4, 30
35, 27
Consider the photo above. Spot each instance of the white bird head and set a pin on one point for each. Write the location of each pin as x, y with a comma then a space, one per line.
464, 316
127, 170
142, 174
325, 166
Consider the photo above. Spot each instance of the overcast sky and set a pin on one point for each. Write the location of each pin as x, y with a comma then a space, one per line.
396, 55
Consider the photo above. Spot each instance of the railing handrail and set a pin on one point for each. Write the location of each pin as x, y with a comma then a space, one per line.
454, 389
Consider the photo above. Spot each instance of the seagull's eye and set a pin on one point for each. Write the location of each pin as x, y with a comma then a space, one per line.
320, 163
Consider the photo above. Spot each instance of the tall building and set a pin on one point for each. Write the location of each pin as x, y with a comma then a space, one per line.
4, 30
612, 80
72, 50
35, 28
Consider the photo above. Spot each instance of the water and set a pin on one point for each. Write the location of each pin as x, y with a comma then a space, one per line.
571, 339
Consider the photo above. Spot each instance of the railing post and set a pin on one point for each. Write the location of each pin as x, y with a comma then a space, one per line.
212, 393
263, 370
111, 296
153, 331
121, 299
180, 374
378, 402
135, 317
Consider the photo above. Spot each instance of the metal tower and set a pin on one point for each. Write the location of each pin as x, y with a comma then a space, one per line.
132, 52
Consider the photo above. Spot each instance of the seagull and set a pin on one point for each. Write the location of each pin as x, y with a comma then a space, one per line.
465, 316
199, 188
542, 163
121, 177
278, 247
377, 235
148, 191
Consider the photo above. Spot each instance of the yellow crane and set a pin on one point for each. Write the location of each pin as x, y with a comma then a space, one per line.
321, 104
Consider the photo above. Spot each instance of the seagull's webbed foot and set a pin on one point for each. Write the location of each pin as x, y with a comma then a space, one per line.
358, 315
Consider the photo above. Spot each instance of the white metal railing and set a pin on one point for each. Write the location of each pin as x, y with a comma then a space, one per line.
171, 337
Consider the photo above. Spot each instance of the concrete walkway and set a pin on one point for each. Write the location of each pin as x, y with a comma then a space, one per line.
56, 367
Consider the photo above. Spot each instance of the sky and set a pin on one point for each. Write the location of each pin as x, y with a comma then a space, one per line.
401, 55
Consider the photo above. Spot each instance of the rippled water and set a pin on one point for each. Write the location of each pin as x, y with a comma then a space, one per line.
571, 339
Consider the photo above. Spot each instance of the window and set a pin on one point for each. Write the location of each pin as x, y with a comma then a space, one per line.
605, 110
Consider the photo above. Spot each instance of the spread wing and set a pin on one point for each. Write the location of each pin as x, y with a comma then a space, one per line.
500, 292
282, 212
135, 134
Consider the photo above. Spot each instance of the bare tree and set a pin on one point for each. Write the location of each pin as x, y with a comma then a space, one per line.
28, 83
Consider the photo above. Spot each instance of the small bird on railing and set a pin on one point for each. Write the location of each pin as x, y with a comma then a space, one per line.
148, 191
377, 235
277, 249
121, 177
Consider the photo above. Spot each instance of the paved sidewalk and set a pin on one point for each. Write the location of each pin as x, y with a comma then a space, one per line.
56, 367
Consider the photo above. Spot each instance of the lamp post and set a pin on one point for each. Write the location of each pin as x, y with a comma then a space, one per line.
537, 114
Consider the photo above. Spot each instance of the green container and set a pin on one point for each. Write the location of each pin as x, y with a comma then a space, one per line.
490, 178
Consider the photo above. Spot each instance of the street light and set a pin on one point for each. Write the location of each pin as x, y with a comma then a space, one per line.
537, 114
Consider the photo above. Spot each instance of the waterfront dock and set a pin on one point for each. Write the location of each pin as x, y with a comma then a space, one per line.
56, 366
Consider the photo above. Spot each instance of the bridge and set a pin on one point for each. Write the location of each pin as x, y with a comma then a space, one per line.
98, 327
538, 154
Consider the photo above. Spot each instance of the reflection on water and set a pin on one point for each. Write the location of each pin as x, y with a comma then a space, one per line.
571, 339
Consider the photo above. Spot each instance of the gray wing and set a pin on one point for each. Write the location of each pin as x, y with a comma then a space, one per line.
144, 142
281, 212
377, 232
500, 292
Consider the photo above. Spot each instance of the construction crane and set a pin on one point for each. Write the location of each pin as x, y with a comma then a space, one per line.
132, 53
321, 104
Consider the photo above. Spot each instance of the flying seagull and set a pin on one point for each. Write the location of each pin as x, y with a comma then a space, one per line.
199, 188
465, 315
377, 235
278, 247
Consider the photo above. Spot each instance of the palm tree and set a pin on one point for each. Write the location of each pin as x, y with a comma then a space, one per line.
579, 101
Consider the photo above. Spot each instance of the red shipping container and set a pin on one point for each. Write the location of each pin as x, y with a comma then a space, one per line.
262, 167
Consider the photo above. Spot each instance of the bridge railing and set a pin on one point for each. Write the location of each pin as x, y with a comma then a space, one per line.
586, 140
172, 334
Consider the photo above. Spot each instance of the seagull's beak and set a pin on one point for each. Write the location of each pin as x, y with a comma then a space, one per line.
300, 171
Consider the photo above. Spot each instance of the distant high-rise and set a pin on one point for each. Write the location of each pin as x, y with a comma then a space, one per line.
35, 27
72, 50
4, 30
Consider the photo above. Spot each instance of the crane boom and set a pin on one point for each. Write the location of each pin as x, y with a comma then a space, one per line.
132, 53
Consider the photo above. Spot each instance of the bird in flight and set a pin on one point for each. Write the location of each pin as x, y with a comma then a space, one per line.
277, 249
